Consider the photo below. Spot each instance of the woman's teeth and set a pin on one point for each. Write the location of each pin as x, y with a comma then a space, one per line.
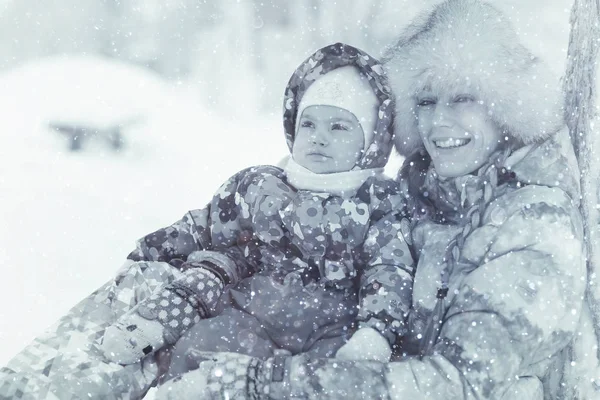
450, 143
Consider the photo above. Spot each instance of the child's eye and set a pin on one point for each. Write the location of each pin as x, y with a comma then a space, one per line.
463, 98
307, 124
426, 102
339, 127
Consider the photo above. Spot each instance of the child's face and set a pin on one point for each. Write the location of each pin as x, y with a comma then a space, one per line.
328, 139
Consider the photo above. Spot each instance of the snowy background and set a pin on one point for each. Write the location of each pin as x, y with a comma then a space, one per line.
196, 88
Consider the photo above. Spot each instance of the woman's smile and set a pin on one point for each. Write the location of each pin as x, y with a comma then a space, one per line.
450, 143
456, 131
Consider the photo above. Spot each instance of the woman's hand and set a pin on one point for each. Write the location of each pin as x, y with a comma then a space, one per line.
216, 376
191, 385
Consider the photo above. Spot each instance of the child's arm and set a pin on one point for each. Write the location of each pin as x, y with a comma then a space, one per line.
385, 289
176, 241
213, 251
163, 317
212, 235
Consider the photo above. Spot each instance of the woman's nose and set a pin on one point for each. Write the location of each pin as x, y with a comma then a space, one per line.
443, 115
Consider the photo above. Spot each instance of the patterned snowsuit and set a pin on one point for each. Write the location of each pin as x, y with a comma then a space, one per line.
304, 256
297, 259
65, 362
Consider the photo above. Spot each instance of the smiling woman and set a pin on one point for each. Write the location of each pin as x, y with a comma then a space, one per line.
457, 132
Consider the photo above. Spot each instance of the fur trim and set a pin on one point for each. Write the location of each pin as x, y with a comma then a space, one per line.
468, 46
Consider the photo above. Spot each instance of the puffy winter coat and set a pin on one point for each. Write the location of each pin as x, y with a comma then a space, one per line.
515, 294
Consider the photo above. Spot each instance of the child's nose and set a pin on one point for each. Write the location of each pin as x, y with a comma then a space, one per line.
319, 137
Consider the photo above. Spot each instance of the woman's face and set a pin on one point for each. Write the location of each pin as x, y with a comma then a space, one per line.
457, 132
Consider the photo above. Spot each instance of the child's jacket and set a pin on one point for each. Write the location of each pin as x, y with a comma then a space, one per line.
301, 256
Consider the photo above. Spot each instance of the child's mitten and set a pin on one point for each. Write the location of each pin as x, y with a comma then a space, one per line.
366, 344
164, 317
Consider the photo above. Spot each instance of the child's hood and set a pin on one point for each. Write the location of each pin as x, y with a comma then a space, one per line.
330, 58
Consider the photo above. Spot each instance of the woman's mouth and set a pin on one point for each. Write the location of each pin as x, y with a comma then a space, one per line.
450, 143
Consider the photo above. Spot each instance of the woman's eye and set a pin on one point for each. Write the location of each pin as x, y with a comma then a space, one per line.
425, 102
463, 99
307, 124
339, 127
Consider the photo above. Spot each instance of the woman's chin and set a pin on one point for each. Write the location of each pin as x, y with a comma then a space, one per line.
456, 161
455, 167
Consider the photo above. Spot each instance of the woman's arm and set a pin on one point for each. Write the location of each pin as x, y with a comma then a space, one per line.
518, 308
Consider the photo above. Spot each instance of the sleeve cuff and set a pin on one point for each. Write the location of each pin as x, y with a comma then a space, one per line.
218, 263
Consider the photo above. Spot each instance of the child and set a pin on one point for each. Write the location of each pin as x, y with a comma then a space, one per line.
290, 258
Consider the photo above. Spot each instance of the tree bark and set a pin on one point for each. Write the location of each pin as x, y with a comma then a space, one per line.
581, 115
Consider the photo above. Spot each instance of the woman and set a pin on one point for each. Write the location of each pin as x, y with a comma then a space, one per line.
497, 232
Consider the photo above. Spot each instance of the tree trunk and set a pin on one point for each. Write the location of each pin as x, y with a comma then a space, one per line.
580, 114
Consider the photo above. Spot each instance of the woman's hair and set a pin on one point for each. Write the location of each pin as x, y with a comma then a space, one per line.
440, 52
412, 175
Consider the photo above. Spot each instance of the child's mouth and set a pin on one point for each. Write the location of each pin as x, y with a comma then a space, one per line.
317, 154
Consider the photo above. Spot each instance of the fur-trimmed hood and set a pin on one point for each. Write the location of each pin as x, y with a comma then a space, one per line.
468, 46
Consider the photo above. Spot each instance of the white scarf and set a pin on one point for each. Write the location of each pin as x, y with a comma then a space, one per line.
342, 184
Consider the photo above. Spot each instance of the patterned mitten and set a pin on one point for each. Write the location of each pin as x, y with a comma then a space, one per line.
164, 317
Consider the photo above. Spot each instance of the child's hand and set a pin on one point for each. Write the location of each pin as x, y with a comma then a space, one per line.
131, 338
366, 344
163, 317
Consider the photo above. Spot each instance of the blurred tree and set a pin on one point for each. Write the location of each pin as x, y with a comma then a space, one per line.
28, 30
238, 51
